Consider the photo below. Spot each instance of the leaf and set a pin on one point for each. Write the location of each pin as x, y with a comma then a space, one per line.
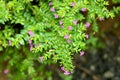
22, 42
31, 70
1, 48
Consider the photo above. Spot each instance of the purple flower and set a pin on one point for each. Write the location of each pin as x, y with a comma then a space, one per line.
30, 33
82, 53
83, 9
50, 4
87, 36
66, 36
72, 4
101, 19
69, 27
60, 22
31, 47
30, 41
62, 26
41, 58
5, 71
62, 68
30, 44
68, 41
75, 22
52, 9
56, 16
87, 24
10, 42
66, 73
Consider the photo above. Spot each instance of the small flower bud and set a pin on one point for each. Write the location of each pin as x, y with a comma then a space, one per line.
50, 4
66, 73
30, 33
62, 68
100, 19
68, 41
60, 22
72, 4
52, 9
69, 27
66, 36
87, 24
75, 22
82, 53
56, 16
87, 36
5, 71
84, 10
30, 41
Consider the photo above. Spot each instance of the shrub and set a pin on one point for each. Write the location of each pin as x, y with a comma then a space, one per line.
47, 32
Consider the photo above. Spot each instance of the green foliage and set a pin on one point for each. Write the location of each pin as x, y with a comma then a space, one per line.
19, 17
116, 1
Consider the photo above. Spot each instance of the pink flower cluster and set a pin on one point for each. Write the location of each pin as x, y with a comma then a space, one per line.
87, 25
75, 22
52, 9
61, 24
65, 72
30, 41
69, 28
